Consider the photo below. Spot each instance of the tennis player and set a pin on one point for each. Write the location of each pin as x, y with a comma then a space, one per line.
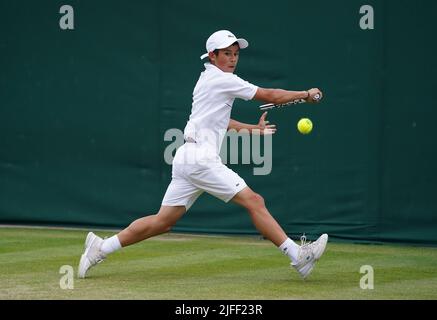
197, 166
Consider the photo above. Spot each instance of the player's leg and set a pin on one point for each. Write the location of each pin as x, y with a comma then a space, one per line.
223, 183
261, 217
180, 195
96, 249
302, 257
151, 226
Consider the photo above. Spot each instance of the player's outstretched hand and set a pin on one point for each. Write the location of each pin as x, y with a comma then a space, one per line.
315, 95
264, 126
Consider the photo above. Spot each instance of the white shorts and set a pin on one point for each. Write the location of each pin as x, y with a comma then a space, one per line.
196, 171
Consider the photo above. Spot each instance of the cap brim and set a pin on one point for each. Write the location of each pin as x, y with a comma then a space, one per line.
242, 43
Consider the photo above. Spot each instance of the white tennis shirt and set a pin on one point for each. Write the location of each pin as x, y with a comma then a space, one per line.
213, 97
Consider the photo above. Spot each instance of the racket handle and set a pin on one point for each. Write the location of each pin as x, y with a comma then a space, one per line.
317, 97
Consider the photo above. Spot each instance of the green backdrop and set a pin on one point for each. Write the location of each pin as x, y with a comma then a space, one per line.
83, 113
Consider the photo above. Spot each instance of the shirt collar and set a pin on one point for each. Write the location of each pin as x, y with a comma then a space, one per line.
210, 66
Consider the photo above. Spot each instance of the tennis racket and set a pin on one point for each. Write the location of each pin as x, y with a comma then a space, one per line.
270, 106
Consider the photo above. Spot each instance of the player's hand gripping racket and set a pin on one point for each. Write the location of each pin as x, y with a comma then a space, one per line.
270, 106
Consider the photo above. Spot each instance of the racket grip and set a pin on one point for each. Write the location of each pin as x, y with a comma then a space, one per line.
317, 97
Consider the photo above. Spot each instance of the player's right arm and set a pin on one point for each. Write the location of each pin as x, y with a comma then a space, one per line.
278, 96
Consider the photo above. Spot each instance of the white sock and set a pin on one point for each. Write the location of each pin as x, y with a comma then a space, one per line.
110, 245
291, 249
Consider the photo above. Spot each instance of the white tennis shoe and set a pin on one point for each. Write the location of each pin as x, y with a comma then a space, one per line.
308, 254
92, 254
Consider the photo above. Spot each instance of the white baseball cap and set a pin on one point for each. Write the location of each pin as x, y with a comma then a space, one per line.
222, 39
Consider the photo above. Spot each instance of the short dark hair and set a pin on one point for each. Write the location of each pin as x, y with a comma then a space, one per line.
216, 51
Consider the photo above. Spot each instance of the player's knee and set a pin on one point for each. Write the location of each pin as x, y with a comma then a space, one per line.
256, 201
167, 227
163, 225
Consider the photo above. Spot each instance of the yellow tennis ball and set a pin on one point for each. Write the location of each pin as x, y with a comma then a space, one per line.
304, 126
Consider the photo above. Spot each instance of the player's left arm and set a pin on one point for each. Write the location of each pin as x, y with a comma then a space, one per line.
263, 127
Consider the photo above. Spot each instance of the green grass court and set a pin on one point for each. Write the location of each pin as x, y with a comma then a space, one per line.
180, 266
